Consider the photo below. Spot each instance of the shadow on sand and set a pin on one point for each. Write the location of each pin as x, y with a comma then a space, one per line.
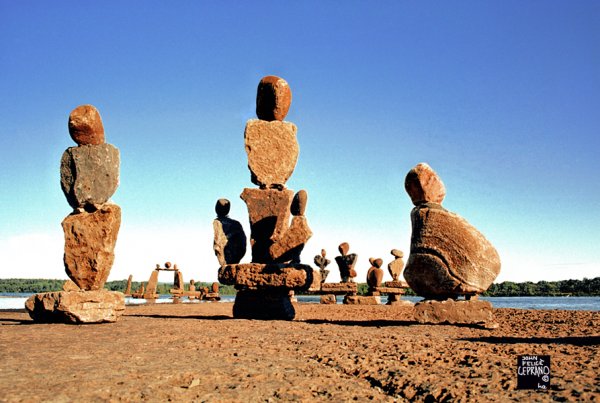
203, 317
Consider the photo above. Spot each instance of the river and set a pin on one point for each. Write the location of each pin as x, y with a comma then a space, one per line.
17, 301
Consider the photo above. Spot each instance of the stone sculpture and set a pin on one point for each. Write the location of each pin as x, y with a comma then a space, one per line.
230, 240
264, 285
374, 275
395, 266
448, 256
321, 261
89, 176
346, 263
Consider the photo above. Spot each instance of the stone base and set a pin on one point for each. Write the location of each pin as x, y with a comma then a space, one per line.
263, 304
211, 296
292, 276
454, 312
362, 300
339, 288
76, 306
328, 299
394, 299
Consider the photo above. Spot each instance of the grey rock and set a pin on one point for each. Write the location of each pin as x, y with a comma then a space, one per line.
89, 175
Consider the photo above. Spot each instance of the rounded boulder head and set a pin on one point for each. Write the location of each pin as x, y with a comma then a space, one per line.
222, 207
168, 265
85, 125
273, 98
423, 185
344, 248
299, 203
377, 263
323, 252
397, 253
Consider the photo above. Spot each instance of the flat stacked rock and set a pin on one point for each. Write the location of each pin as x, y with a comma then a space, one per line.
266, 285
449, 257
76, 307
89, 176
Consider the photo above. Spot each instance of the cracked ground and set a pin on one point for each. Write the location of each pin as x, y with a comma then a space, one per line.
198, 352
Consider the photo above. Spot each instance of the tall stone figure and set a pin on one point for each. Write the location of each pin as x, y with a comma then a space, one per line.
89, 176
264, 285
449, 257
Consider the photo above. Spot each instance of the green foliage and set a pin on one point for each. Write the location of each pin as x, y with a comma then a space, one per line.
585, 287
579, 288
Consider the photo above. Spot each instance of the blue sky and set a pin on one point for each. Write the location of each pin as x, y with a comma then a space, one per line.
501, 98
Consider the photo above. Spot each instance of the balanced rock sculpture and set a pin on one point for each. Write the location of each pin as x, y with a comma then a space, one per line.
346, 262
448, 256
396, 266
264, 285
374, 275
89, 176
321, 261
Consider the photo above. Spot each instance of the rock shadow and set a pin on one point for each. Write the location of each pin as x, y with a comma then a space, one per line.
364, 323
159, 316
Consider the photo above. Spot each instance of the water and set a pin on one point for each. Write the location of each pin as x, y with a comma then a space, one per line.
17, 301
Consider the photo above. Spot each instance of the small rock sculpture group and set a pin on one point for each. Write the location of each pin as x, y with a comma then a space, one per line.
89, 176
449, 258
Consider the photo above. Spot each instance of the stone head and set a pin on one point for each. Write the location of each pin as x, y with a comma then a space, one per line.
168, 265
85, 125
397, 253
377, 263
323, 252
299, 203
273, 98
424, 185
344, 248
222, 207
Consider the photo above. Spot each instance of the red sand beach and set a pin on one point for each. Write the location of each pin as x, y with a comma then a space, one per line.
198, 352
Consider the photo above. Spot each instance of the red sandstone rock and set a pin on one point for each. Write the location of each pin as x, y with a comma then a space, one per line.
272, 151
260, 304
339, 288
361, 300
229, 241
273, 98
90, 240
85, 125
396, 266
289, 246
424, 185
448, 256
89, 175
269, 214
328, 299
69, 285
298, 277
450, 311
76, 306
374, 274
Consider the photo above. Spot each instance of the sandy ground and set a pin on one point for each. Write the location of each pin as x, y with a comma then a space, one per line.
198, 352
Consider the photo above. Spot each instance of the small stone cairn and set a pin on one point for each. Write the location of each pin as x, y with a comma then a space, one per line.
265, 285
322, 262
449, 258
89, 176
347, 287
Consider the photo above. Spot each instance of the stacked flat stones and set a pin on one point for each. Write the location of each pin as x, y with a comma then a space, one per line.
448, 258
89, 176
264, 285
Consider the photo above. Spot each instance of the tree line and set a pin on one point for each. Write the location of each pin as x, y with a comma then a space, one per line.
579, 288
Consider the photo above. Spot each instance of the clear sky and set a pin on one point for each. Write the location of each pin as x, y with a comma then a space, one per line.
501, 98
